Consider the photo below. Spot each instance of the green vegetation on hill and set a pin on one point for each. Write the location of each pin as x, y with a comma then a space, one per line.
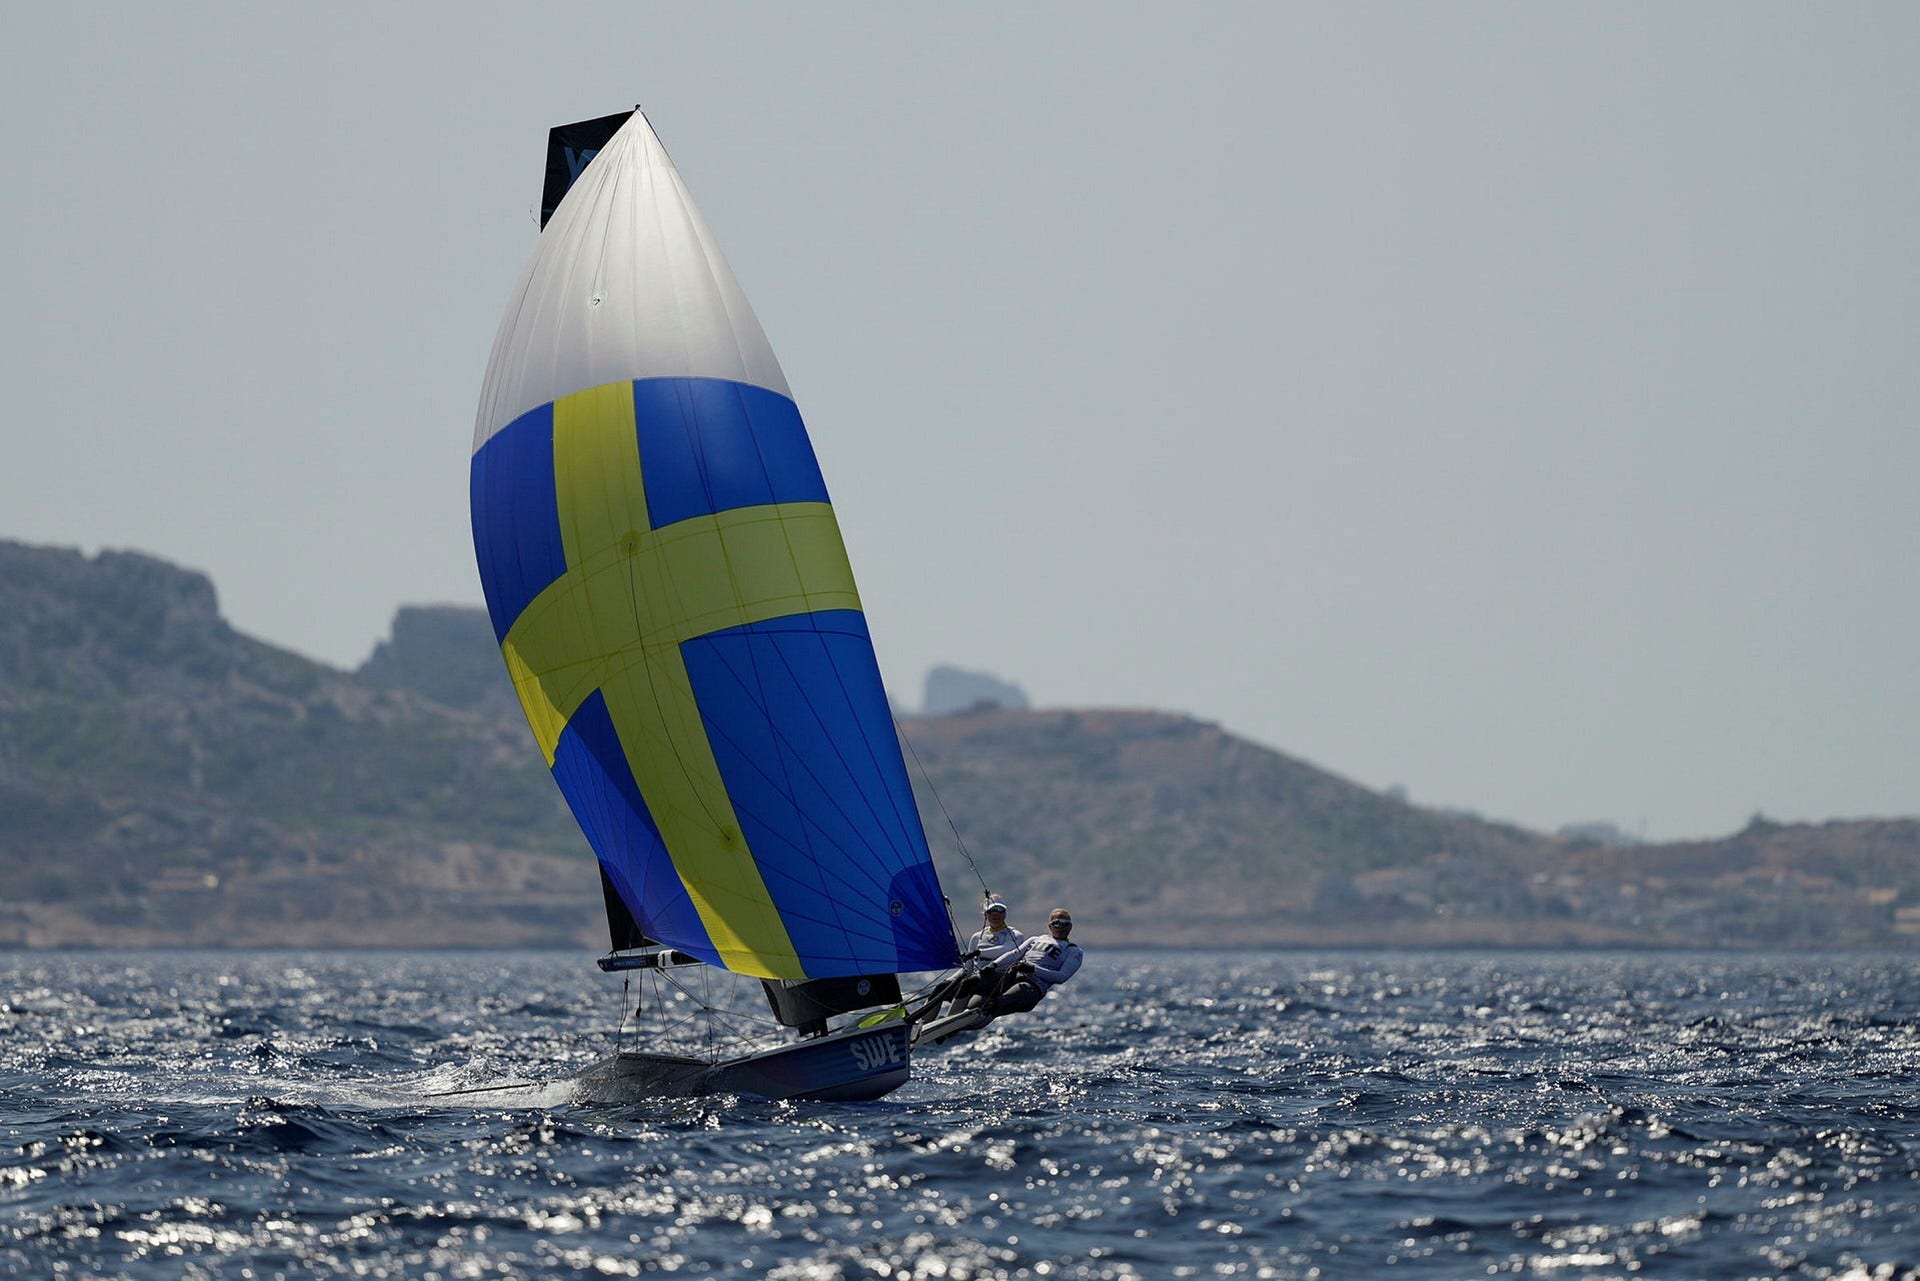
165, 780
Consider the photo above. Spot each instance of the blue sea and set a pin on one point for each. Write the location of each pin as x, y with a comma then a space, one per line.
1332, 1115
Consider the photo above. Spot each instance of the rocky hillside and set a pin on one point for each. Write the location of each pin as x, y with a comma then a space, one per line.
1174, 830
1170, 827
165, 780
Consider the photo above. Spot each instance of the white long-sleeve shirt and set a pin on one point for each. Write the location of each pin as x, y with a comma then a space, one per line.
1054, 961
993, 944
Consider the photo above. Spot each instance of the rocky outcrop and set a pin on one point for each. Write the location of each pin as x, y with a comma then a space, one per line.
167, 781
950, 689
446, 652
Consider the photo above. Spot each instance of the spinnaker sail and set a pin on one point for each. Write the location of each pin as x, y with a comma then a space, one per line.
671, 594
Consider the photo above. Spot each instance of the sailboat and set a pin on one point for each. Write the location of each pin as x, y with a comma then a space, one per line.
669, 588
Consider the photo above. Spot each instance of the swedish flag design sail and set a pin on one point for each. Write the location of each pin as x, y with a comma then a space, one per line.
669, 588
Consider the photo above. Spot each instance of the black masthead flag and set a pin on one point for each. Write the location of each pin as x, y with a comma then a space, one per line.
569, 149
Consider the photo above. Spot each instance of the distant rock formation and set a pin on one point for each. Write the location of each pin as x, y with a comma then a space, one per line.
167, 781
949, 690
76, 623
1599, 832
446, 652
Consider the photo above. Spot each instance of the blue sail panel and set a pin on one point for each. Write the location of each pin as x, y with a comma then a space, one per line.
801, 732
516, 517
708, 445
591, 768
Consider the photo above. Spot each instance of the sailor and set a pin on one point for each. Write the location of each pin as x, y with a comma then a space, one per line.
1035, 968
993, 941
997, 938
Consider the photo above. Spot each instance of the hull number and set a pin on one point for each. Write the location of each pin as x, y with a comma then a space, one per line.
877, 1052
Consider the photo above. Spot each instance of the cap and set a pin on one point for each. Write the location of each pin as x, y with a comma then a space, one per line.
993, 905
1060, 914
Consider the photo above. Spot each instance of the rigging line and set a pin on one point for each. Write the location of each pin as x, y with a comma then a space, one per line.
763, 1023
758, 1028
681, 1030
756, 1034
640, 1005
925, 778
670, 1028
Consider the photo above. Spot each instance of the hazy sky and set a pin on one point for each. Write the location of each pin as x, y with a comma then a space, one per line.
1516, 403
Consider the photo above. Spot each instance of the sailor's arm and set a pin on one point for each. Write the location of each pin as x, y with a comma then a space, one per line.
998, 950
1056, 970
1019, 954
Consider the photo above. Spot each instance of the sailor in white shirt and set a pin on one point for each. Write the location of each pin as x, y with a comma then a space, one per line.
994, 941
997, 938
1035, 968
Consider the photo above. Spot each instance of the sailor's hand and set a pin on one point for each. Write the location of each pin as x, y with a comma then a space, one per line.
1021, 970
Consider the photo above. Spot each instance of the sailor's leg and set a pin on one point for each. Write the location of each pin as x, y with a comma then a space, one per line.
983, 984
1018, 998
930, 1008
955, 989
986, 989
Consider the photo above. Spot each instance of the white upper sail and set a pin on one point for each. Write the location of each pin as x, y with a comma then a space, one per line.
626, 282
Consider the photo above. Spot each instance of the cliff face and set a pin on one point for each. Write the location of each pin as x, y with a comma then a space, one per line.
164, 779
447, 653
167, 781
83, 626
949, 689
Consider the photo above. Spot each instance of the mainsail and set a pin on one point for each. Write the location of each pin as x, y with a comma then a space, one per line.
669, 588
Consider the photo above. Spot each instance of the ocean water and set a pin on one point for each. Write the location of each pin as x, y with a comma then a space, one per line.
1165, 1115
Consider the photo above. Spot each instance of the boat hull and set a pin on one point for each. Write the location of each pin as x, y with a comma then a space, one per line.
848, 1066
